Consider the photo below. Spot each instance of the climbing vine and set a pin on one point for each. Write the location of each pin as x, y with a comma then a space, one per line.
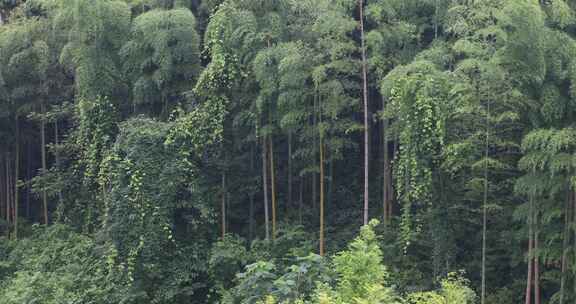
97, 130
200, 128
416, 102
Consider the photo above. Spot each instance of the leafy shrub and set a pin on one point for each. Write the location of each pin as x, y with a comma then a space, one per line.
264, 280
300, 279
227, 258
454, 290
256, 282
361, 276
58, 266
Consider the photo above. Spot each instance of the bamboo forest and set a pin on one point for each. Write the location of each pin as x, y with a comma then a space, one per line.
287, 151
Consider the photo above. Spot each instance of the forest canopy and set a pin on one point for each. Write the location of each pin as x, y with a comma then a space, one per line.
288, 151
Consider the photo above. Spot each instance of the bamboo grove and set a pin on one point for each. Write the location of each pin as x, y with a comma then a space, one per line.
227, 151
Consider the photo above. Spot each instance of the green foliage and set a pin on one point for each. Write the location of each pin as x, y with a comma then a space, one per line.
361, 276
227, 258
229, 37
162, 58
96, 32
92, 141
454, 290
358, 277
256, 282
146, 202
473, 102
285, 269
25, 57
57, 265
301, 278
201, 128
419, 103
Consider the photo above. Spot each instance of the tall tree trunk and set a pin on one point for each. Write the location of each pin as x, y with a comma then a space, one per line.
321, 164
366, 126
265, 175
436, 11
330, 182
574, 234
391, 185
9, 194
265, 186
321, 196
11, 191
537, 297
8, 190
273, 187
485, 205
290, 190
528, 299
16, 175
565, 244
228, 211
43, 154
251, 219
314, 193
2, 190
57, 156
315, 126
223, 204
386, 203
301, 199
28, 177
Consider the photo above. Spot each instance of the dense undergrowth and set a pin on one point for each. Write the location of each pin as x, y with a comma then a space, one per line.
58, 265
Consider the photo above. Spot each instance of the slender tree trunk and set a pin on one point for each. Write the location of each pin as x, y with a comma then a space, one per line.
386, 203
321, 164
315, 126
330, 182
290, 190
251, 220
228, 211
16, 175
57, 156
43, 154
574, 234
390, 197
314, 193
321, 196
8, 190
528, 299
265, 176
391, 184
223, 204
436, 10
301, 199
265, 186
9, 193
537, 297
273, 187
565, 244
251, 224
2, 190
28, 177
485, 205
366, 126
